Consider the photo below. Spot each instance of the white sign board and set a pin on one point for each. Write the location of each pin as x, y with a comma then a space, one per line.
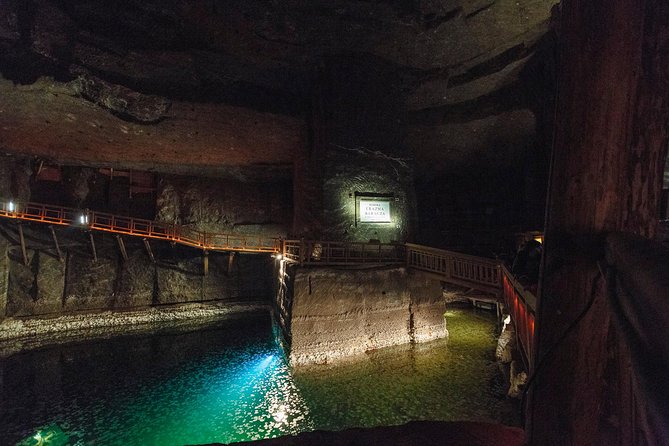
375, 211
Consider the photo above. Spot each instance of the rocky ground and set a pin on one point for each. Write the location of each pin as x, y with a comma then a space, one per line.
18, 334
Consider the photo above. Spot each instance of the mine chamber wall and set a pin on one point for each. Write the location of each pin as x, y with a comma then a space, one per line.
103, 280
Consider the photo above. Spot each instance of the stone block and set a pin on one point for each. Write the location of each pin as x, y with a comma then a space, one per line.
337, 314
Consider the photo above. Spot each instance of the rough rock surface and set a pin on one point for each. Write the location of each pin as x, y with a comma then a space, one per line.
225, 206
162, 60
47, 120
47, 286
335, 314
4, 275
90, 283
136, 281
257, 90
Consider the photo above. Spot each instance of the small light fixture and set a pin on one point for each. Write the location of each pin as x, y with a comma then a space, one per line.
278, 256
83, 219
11, 207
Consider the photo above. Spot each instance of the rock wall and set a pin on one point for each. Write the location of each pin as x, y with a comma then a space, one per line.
48, 286
227, 206
335, 314
356, 149
4, 275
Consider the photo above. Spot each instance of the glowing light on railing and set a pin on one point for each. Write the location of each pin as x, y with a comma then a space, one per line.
83, 219
11, 207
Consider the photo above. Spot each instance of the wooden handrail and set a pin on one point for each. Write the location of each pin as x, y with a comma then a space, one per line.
101, 221
318, 252
461, 269
480, 273
522, 305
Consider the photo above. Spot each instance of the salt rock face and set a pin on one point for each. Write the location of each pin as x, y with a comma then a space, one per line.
505, 345
95, 69
518, 379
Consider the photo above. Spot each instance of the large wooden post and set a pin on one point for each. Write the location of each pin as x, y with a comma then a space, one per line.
610, 141
56, 245
147, 245
121, 246
22, 240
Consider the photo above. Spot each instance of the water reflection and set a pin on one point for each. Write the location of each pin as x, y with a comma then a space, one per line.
230, 383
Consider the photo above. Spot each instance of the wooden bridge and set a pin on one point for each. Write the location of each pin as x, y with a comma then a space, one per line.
486, 275
100, 221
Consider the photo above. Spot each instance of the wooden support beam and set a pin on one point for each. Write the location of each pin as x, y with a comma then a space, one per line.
148, 250
93, 250
121, 246
231, 259
205, 263
23, 245
56, 245
609, 146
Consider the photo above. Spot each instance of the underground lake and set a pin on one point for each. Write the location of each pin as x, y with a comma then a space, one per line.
229, 382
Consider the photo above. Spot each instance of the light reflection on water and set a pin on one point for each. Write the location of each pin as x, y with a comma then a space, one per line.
232, 384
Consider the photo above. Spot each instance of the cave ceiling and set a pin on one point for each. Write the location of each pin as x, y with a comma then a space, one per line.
222, 85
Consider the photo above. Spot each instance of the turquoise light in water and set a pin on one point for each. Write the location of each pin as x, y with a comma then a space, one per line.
221, 401
233, 384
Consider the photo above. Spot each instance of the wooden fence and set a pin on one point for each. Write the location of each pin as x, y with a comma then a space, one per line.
522, 305
461, 269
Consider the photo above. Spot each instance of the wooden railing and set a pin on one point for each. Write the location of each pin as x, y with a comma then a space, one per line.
100, 221
312, 252
521, 305
461, 269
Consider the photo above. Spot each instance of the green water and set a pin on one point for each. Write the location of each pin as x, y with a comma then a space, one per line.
230, 383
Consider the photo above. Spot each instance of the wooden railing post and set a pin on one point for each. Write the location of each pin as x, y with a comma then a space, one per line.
303, 249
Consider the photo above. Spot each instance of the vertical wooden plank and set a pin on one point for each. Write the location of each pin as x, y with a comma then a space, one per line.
93, 250
121, 246
147, 246
23, 244
55, 243
231, 259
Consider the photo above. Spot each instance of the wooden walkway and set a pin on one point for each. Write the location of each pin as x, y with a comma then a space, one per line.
100, 221
479, 273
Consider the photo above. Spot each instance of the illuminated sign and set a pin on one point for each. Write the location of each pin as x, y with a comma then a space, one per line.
375, 211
